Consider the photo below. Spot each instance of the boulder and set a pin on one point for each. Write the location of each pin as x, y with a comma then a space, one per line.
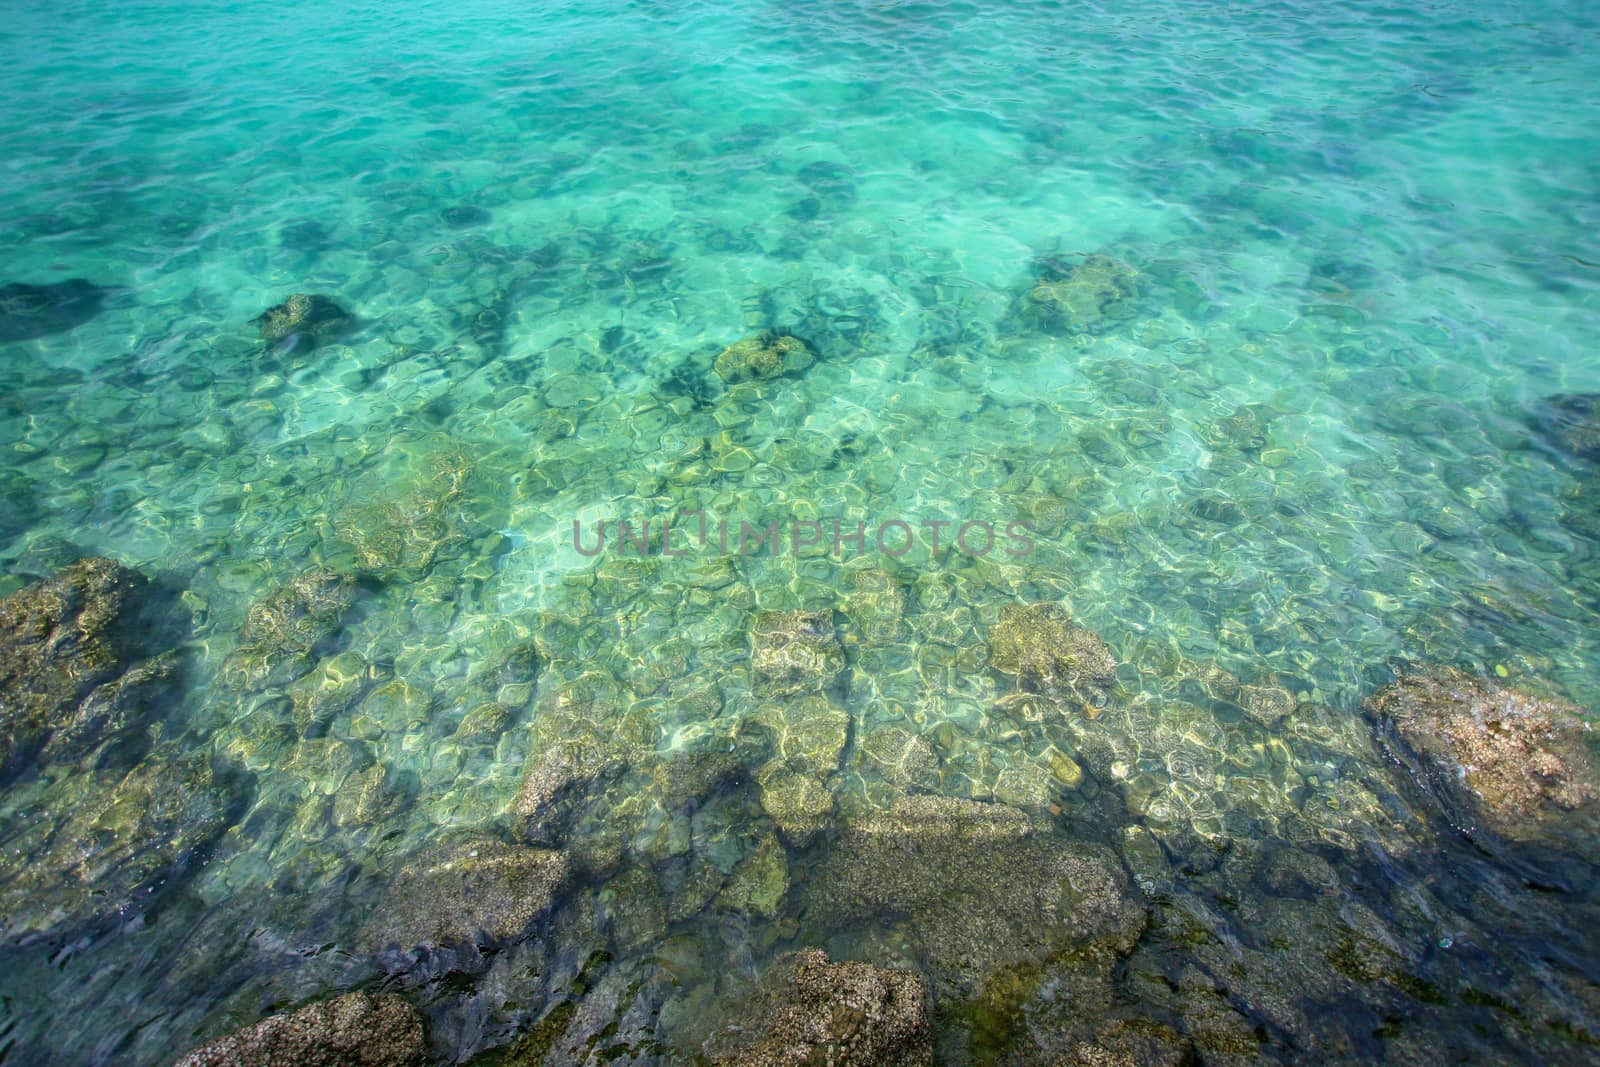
768, 355
305, 314
1520, 762
355, 1030
59, 639
29, 311
808, 1009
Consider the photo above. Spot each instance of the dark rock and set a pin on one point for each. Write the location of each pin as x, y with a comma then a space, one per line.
59, 639
355, 1030
809, 1010
1520, 762
474, 894
1570, 422
29, 311
981, 886
98, 844
306, 314
463, 215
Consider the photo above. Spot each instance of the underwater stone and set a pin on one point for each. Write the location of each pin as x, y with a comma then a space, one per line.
798, 804
1570, 422
472, 893
795, 651
573, 753
760, 881
355, 1030
483, 724
1086, 297
809, 1010
1038, 645
900, 756
283, 627
769, 355
1523, 760
29, 311
808, 734
99, 841
59, 639
308, 314
982, 886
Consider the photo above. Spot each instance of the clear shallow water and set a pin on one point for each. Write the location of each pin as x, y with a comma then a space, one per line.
1299, 454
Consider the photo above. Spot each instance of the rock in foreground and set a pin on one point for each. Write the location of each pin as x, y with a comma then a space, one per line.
1519, 761
810, 1010
355, 1030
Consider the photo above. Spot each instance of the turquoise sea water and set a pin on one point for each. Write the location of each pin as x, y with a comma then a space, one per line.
1296, 455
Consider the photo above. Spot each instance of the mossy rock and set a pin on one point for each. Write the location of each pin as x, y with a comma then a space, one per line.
769, 355
760, 881
309, 314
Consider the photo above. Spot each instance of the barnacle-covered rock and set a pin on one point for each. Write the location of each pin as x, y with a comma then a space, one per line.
795, 651
769, 355
1521, 761
808, 1009
309, 314
355, 1030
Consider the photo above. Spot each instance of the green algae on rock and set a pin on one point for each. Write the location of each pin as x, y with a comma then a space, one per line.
308, 314
767, 355
795, 651
354, 1030
1087, 297
1523, 761
1039, 646
808, 1009
60, 639
100, 843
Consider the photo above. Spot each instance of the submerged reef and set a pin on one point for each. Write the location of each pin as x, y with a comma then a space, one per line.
1517, 760
808, 1009
1570, 422
310, 315
64, 648
1040, 647
29, 311
1089, 296
767, 355
355, 1030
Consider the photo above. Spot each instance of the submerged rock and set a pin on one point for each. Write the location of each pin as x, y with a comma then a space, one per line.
282, 629
29, 311
769, 355
307, 314
1570, 422
355, 1030
1086, 297
1038, 645
981, 886
59, 639
810, 1010
98, 843
795, 651
471, 894
1520, 761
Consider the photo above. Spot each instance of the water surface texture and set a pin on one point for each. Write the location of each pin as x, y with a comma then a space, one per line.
1241, 315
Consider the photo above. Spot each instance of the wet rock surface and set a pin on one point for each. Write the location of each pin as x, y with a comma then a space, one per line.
355, 1030
462, 898
811, 1010
60, 639
1518, 761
